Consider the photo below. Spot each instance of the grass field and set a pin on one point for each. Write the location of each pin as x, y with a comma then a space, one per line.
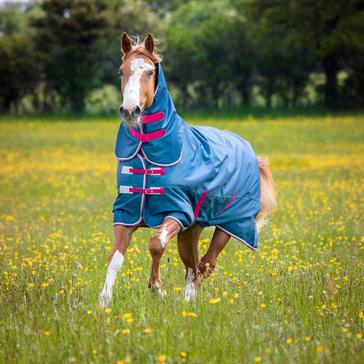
299, 299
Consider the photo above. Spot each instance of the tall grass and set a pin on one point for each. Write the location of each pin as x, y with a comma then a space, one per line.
299, 299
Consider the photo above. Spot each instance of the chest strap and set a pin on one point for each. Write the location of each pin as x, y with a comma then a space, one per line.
151, 118
144, 138
144, 191
149, 172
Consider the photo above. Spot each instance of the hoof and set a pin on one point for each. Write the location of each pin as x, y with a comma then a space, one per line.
157, 288
190, 292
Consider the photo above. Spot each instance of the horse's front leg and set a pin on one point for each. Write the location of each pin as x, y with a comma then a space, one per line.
157, 246
116, 258
208, 261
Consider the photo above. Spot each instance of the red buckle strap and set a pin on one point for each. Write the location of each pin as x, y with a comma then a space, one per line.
151, 118
144, 138
148, 191
149, 172
144, 191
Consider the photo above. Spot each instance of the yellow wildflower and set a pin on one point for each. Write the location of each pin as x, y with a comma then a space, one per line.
125, 361
162, 358
188, 314
214, 301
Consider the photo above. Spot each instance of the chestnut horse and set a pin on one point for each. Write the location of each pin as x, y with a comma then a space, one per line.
138, 86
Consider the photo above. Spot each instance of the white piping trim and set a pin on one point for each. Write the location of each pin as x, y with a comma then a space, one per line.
141, 203
124, 224
171, 217
144, 186
136, 151
161, 164
128, 158
237, 238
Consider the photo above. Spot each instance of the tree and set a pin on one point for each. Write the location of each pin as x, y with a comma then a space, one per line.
66, 42
283, 63
18, 69
18, 72
210, 54
331, 31
133, 17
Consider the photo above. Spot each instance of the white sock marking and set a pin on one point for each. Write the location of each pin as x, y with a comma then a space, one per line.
112, 270
158, 288
190, 290
163, 236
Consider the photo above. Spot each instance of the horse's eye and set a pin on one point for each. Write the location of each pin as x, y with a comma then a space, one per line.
120, 72
150, 73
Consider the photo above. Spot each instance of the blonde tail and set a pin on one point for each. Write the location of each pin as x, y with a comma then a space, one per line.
268, 199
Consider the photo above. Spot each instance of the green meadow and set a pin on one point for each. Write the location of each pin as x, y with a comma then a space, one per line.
298, 299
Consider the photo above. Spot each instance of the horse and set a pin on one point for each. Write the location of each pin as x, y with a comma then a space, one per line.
178, 179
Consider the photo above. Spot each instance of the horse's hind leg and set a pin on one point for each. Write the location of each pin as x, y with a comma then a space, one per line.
188, 251
116, 258
208, 261
157, 246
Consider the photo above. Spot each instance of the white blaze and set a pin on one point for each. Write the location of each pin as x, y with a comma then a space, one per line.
112, 270
131, 97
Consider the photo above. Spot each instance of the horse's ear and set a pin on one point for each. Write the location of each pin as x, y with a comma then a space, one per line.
125, 43
149, 43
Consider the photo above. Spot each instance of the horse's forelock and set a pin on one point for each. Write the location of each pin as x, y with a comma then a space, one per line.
138, 48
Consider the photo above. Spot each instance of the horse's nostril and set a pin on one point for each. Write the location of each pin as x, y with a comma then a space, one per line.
121, 110
137, 111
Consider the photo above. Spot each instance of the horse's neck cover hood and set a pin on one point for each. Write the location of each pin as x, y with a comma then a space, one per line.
192, 174
159, 124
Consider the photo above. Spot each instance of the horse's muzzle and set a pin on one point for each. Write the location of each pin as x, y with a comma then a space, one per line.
130, 117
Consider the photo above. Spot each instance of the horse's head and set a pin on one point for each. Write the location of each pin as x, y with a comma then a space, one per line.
138, 77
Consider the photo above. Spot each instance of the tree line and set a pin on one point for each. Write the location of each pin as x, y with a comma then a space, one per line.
217, 53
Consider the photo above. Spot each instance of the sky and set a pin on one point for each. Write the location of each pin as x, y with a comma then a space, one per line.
12, 1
